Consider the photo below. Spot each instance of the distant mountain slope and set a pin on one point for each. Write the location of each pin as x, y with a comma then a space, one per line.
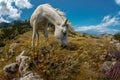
13, 23
4, 25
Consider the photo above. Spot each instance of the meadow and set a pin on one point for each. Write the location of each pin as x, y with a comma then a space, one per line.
81, 60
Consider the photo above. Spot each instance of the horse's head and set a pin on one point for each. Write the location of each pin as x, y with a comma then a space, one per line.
61, 33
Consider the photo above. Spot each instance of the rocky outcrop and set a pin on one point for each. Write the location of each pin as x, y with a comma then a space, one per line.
12, 47
21, 65
24, 68
10, 70
30, 76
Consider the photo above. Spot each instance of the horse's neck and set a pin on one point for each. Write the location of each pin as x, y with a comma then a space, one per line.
53, 16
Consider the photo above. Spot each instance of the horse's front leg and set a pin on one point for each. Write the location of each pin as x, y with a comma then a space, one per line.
45, 32
33, 39
33, 35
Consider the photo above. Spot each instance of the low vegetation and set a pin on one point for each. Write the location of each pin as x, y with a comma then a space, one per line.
81, 60
117, 36
15, 28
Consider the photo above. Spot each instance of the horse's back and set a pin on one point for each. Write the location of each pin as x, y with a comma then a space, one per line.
35, 14
38, 10
46, 11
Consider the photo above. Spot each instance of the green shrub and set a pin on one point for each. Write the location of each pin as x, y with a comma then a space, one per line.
2, 44
8, 33
117, 36
16, 28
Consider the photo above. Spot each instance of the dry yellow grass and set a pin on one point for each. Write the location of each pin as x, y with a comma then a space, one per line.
81, 60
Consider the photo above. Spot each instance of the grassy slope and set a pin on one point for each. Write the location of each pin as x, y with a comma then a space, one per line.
81, 60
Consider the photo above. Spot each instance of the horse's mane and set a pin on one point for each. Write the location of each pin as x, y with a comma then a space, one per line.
56, 10
62, 14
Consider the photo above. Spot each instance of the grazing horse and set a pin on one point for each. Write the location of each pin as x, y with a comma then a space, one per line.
40, 18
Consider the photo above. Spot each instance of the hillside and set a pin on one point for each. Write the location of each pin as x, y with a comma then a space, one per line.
81, 60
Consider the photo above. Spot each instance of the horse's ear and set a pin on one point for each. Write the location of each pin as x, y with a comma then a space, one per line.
66, 21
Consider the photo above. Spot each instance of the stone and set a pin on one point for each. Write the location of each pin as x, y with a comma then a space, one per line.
12, 47
11, 69
30, 76
22, 61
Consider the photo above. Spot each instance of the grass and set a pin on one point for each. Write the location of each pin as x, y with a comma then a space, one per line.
81, 60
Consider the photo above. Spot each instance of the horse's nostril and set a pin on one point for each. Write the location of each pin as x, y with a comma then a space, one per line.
64, 33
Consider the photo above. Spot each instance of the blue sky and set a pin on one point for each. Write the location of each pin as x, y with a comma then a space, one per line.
86, 16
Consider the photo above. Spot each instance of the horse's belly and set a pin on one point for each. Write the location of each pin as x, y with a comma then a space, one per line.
42, 24
40, 27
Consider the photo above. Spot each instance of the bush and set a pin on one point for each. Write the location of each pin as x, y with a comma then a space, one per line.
117, 36
17, 27
2, 44
8, 33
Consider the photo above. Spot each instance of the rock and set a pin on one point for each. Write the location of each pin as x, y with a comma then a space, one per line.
107, 65
117, 45
23, 63
12, 47
21, 57
10, 70
114, 54
111, 42
30, 76
23, 66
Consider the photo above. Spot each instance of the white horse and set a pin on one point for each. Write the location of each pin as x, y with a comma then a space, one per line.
40, 18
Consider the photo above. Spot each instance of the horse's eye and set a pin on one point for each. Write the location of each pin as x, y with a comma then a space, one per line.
63, 25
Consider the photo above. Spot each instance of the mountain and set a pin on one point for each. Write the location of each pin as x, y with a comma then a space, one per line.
16, 22
4, 25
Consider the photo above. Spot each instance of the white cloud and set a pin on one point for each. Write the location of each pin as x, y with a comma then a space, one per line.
103, 27
117, 2
106, 18
23, 4
12, 9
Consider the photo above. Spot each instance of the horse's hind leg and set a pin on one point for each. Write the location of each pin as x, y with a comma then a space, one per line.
45, 33
37, 32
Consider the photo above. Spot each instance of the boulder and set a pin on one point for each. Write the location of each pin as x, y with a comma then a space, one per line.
12, 47
23, 66
114, 54
23, 62
21, 57
11, 50
30, 76
11, 69
107, 65
117, 45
